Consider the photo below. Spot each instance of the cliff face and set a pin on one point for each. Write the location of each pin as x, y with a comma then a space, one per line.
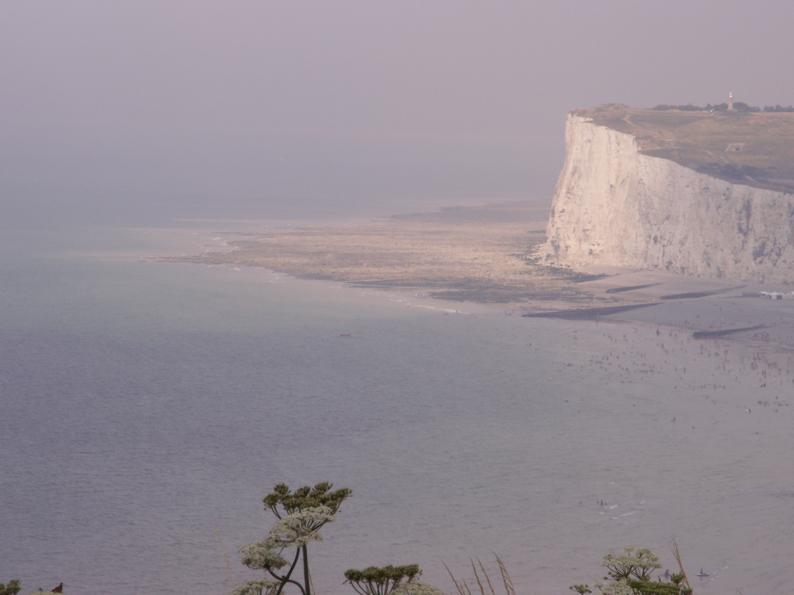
616, 206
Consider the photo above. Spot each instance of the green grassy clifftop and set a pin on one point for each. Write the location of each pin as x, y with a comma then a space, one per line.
750, 148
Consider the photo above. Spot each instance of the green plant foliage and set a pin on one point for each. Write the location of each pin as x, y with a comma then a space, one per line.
416, 588
630, 573
723, 107
380, 581
12, 588
637, 563
658, 587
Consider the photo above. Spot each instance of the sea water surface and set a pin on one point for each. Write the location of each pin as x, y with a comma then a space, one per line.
147, 408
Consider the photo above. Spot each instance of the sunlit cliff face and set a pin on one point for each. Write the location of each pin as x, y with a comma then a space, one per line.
616, 206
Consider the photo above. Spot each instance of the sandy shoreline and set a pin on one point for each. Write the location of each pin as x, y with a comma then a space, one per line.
485, 255
476, 254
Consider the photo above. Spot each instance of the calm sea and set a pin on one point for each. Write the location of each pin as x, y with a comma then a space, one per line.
146, 409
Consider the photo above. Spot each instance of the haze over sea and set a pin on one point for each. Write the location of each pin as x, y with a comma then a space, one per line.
146, 406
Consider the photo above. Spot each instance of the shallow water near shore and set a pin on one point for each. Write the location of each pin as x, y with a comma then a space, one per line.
146, 406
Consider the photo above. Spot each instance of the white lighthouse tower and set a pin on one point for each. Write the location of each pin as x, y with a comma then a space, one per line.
730, 102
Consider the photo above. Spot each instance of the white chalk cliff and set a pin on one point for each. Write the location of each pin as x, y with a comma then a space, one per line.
615, 206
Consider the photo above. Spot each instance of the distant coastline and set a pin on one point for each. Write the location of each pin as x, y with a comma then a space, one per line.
476, 254
485, 255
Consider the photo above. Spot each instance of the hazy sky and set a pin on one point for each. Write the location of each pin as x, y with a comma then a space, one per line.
123, 111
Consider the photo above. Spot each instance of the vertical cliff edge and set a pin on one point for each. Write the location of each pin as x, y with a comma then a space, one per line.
616, 206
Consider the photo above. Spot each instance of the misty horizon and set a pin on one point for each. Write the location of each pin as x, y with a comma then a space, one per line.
135, 114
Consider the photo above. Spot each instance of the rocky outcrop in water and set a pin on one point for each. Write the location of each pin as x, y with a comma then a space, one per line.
616, 206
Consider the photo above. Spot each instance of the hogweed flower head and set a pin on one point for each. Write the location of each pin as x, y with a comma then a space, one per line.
304, 498
299, 528
259, 586
380, 581
616, 588
638, 563
260, 556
